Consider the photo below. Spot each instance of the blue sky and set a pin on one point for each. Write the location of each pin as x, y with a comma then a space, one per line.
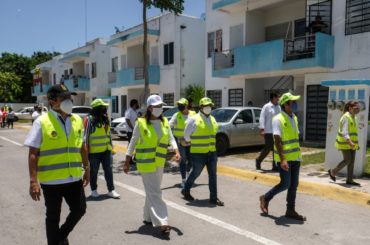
59, 25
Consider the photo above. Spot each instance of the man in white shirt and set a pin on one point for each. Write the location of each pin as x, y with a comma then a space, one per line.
131, 116
269, 110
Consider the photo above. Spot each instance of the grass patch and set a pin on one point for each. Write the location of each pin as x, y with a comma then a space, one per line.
23, 121
315, 158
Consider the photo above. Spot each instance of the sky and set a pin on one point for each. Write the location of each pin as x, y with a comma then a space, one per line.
27, 26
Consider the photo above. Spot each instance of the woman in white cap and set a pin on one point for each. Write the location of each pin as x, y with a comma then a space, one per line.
150, 139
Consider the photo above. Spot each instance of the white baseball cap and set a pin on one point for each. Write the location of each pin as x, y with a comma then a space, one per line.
154, 100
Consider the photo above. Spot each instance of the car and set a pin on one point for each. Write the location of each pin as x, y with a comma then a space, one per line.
238, 126
170, 112
25, 113
82, 111
119, 127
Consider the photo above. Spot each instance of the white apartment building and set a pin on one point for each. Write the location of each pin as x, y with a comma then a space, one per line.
258, 46
176, 60
82, 70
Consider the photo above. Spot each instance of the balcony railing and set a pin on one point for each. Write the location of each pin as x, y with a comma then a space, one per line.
300, 48
223, 60
77, 83
135, 76
139, 73
39, 89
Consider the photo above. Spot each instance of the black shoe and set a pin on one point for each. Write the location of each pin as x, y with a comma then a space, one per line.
332, 177
292, 214
217, 202
258, 165
353, 183
64, 242
147, 223
187, 195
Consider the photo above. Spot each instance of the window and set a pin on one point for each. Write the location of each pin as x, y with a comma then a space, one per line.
70, 71
236, 97
357, 16
257, 114
168, 54
214, 42
169, 99
54, 78
65, 73
93, 69
215, 96
114, 64
114, 104
246, 116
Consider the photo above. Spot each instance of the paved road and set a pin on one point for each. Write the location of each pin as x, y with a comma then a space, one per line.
109, 221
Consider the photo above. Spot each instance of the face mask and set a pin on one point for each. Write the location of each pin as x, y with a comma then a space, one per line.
157, 112
66, 106
181, 107
207, 110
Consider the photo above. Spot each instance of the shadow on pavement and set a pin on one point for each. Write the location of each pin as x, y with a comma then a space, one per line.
148, 230
202, 203
97, 199
179, 186
282, 220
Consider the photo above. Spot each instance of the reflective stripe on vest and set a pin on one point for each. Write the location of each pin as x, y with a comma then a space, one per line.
179, 127
99, 140
59, 158
203, 140
340, 141
289, 138
149, 153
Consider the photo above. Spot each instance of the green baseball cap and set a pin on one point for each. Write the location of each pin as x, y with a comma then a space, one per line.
287, 97
182, 101
98, 102
206, 101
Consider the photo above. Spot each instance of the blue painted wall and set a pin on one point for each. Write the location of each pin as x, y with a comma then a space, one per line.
126, 77
83, 84
37, 88
223, 3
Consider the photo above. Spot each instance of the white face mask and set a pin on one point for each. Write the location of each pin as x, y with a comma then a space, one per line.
157, 111
207, 110
66, 106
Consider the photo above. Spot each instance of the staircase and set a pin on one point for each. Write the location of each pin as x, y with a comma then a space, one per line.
283, 85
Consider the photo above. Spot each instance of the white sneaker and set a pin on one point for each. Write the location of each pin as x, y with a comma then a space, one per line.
95, 194
114, 194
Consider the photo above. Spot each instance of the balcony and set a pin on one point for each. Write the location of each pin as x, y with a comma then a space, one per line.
117, 41
36, 90
78, 84
278, 56
135, 76
230, 6
74, 57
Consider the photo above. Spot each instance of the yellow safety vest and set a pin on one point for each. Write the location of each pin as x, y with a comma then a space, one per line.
289, 139
179, 127
341, 142
203, 140
151, 152
99, 140
59, 157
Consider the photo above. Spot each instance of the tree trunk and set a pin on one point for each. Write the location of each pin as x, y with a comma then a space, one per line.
145, 55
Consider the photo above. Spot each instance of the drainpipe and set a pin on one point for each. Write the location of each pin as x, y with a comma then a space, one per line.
182, 27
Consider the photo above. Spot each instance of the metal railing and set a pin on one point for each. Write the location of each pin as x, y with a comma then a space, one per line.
112, 77
300, 48
139, 73
223, 60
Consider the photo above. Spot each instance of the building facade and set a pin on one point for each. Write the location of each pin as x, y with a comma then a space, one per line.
255, 47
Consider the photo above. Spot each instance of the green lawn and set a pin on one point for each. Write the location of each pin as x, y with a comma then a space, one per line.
315, 158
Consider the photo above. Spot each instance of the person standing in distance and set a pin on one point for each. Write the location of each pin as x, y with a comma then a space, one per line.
57, 157
268, 112
288, 156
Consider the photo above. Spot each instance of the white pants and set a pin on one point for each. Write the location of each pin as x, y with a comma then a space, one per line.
155, 209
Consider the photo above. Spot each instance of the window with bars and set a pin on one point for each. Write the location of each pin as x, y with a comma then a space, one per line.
168, 54
114, 104
236, 97
216, 97
357, 16
93, 70
214, 42
169, 99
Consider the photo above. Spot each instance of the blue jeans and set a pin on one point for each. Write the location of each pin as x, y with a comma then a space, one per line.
106, 159
288, 180
185, 158
199, 161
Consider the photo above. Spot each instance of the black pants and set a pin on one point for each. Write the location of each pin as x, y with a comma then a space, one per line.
269, 146
10, 122
129, 136
74, 195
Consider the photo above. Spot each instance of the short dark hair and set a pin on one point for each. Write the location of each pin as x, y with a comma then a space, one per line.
273, 95
133, 102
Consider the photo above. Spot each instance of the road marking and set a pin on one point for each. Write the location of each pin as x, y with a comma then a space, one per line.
217, 222
11, 141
